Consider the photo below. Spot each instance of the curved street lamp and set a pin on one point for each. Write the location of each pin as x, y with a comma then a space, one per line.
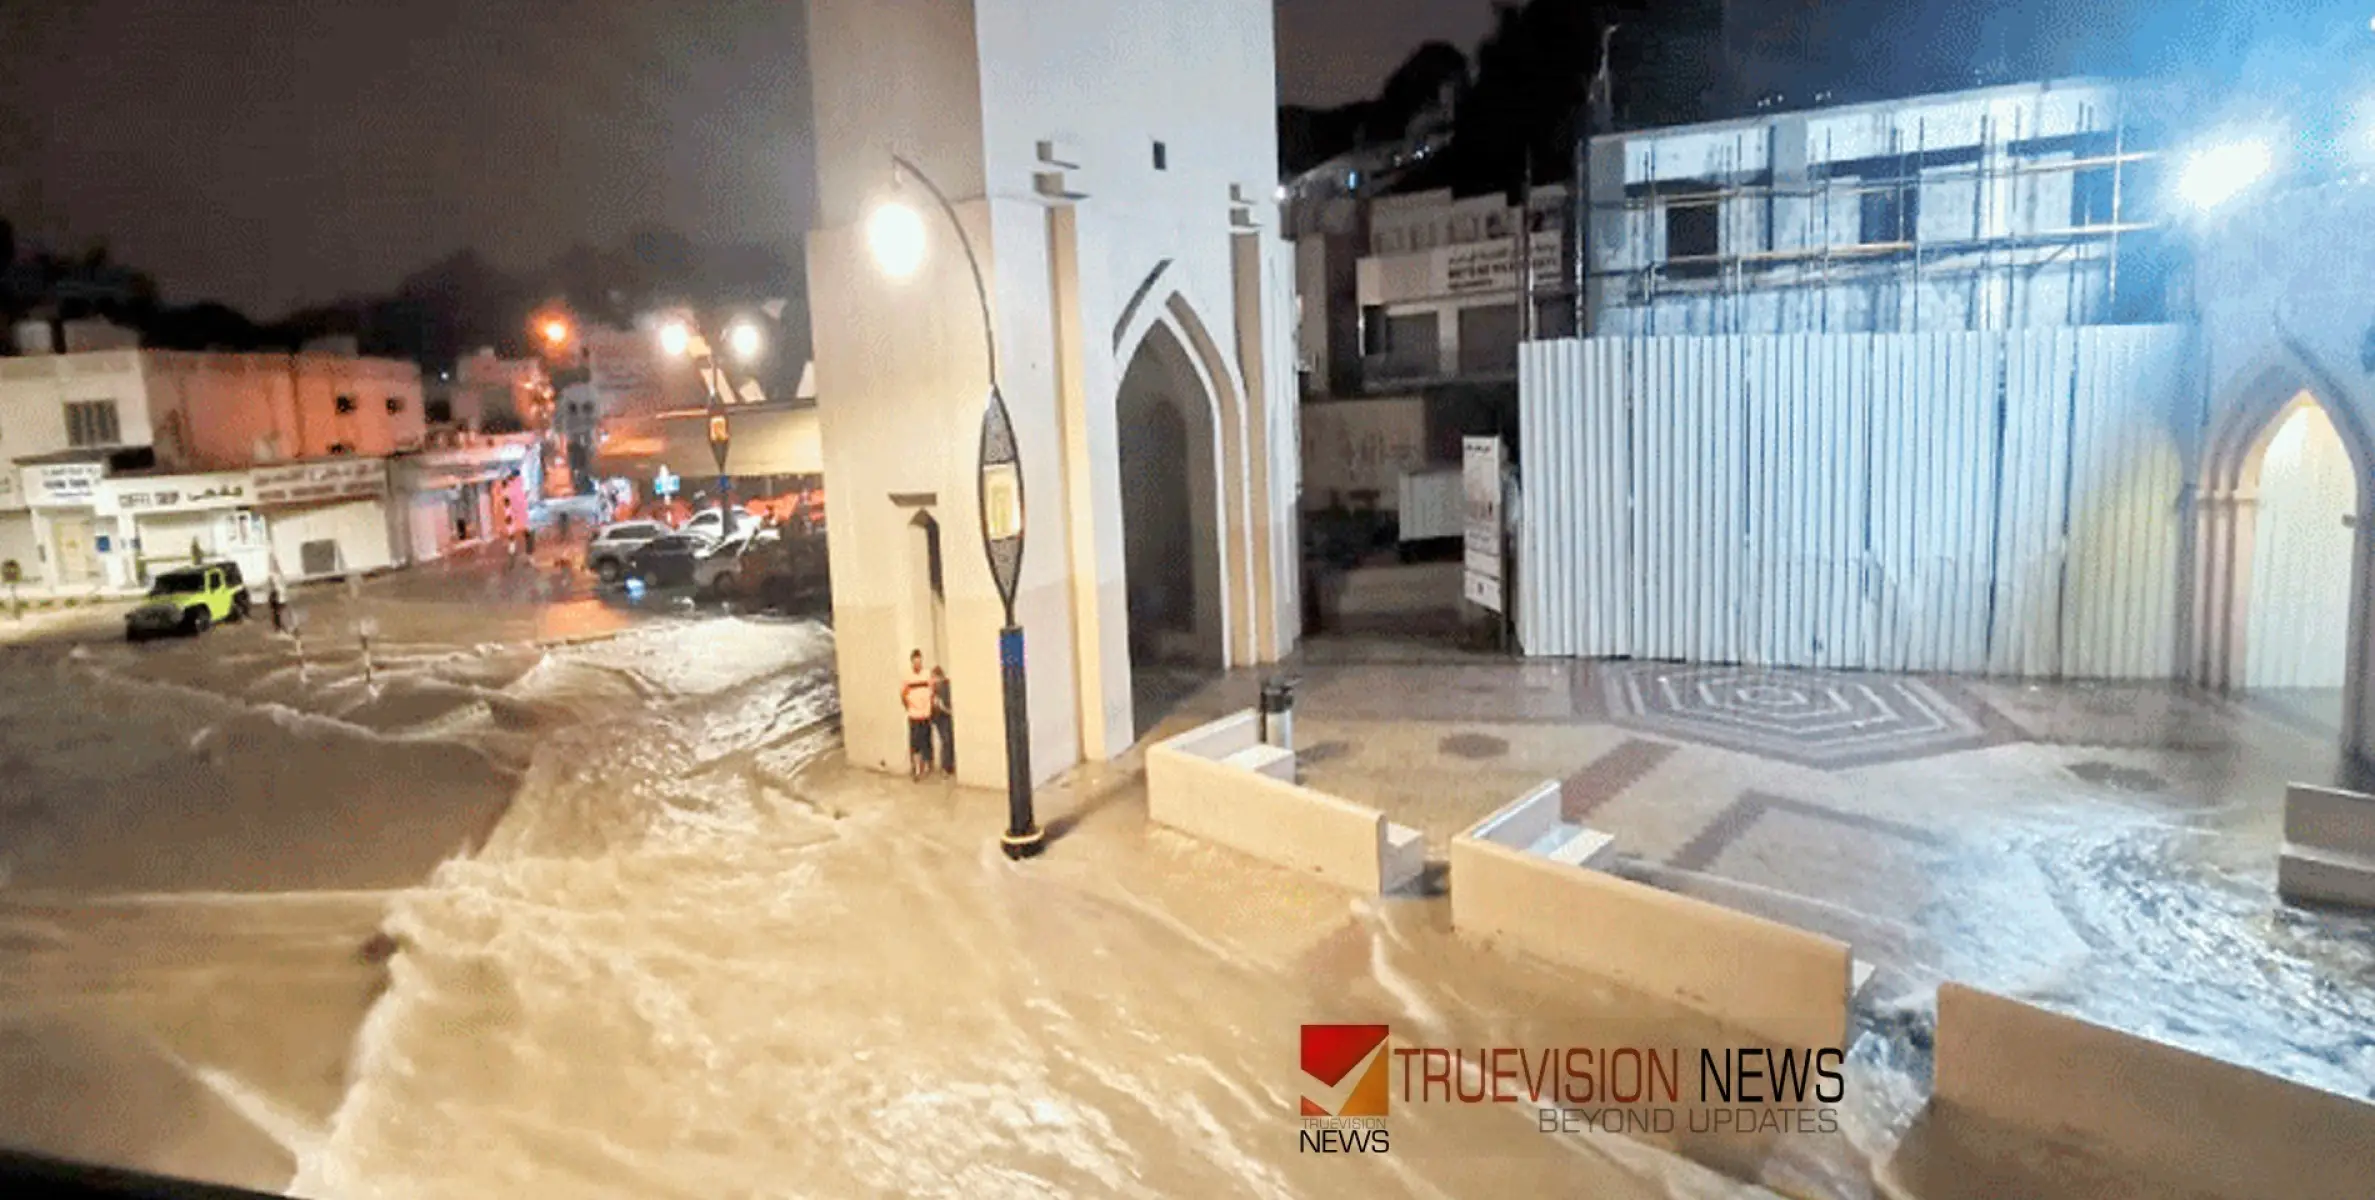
896, 233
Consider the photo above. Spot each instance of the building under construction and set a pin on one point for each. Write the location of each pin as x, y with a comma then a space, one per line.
2033, 205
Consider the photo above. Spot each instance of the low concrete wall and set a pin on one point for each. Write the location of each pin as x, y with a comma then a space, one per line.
2330, 819
1280, 822
1220, 739
1522, 822
2329, 847
1781, 984
2172, 1114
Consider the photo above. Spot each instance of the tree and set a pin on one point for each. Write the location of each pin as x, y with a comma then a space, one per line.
1534, 70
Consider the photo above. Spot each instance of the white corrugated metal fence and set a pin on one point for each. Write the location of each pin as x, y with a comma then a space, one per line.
2001, 502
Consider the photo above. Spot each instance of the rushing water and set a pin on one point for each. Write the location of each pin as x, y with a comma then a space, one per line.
696, 956
697, 959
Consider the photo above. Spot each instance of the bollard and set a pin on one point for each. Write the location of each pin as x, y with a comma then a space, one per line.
365, 629
1277, 709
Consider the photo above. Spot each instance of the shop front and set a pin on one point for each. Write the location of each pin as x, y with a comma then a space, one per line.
326, 518
170, 521
774, 462
74, 549
460, 497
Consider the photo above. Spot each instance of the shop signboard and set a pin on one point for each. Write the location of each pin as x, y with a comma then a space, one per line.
307, 483
63, 485
1493, 266
137, 496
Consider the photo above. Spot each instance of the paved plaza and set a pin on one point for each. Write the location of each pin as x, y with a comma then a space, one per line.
2106, 849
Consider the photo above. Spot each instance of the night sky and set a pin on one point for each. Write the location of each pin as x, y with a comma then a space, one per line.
272, 153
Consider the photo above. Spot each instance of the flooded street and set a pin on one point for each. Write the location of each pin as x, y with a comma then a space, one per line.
692, 954
573, 899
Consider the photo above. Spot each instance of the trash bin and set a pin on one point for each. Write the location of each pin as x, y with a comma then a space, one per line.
1277, 709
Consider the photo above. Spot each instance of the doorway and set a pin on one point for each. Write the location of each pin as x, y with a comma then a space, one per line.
927, 602
77, 562
1170, 529
2297, 619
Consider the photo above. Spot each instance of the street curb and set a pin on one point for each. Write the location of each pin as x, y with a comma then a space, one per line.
584, 639
46, 603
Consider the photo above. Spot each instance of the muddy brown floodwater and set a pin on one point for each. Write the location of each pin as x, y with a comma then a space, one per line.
615, 919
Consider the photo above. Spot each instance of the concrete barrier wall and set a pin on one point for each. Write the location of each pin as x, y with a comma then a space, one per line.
1221, 738
2329, 819
1522, 822
1784, 985
1283, 823
2216, 1127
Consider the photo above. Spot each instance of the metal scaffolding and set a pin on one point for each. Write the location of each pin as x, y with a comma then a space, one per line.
1779, 236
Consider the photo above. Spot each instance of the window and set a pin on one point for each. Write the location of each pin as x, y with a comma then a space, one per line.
1890, 215
2090, 196
1488, 338
395, 405
438, 412
92, 423
1691, 243
1162, 157
1373, 329
346, 405
341, 448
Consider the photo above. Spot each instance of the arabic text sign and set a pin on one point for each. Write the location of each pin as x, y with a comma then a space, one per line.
1480, 460
172, 493
1492, 266
63, 485
320, 481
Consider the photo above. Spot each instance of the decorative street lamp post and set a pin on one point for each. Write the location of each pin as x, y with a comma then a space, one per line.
679, 338
897, 234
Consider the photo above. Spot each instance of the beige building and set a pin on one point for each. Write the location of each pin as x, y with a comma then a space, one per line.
1121, 198
123, 459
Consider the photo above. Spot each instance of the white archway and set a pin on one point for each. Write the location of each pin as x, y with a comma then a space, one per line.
1174, 586
1163, 338
2262, 573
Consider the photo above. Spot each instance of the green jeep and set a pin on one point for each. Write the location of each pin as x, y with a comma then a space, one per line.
189, 600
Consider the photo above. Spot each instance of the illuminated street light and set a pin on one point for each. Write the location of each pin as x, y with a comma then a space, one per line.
676, 339
556, 332
745, 341
2216, 174
896, 232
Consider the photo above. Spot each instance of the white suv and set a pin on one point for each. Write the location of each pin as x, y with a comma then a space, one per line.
708, 524
607, 554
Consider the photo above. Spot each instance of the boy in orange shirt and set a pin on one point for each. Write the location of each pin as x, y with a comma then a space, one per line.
916, 696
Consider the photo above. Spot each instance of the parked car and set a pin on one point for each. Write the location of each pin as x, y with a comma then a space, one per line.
707, 523
613, 545
666, 561
719, 571
190, 600
787, 570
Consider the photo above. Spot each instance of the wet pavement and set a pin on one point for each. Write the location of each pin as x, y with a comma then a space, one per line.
2104, 850
574, 897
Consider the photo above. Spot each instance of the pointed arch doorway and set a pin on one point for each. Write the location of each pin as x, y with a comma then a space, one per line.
1172, 526
2288, 570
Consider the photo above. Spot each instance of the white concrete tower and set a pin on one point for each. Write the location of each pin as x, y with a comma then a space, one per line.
1114, 164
